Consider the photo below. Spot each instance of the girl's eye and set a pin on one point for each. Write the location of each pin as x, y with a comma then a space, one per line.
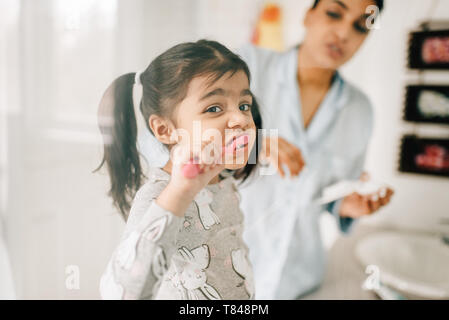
360, 28
245, 107
214, 109
333, 15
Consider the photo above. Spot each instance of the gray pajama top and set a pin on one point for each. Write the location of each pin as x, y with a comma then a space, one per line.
199, 256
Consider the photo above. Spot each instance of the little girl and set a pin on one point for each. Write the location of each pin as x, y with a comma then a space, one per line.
183, 237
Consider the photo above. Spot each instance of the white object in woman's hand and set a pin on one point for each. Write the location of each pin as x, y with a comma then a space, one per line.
368, 198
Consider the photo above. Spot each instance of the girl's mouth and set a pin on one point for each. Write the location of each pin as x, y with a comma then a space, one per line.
237, 143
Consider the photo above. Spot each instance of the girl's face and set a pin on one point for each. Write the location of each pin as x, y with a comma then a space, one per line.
220, 112
335, 30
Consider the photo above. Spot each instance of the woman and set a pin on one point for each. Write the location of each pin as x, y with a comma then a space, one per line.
315, 110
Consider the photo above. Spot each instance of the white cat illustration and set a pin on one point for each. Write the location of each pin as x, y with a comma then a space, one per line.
126, 252
109, 288
207, 217
126, 255
159, 268
189, 276
243, 268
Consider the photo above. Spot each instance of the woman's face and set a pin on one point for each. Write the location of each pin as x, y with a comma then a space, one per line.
335, 30
221, 112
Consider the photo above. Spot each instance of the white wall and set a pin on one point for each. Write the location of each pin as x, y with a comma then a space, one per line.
57, 213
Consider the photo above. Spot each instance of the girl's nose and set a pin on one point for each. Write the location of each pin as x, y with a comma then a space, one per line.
238, 120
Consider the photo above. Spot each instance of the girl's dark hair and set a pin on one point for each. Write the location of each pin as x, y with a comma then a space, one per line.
165, 82
379, 3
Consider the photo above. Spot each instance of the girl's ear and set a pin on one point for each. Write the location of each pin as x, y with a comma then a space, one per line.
162, 129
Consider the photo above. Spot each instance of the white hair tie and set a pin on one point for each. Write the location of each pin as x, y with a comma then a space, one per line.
137, 99
137, 78
154, 151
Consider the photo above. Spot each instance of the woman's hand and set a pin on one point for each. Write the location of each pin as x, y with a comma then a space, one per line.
356, 205
284, 154
181, 191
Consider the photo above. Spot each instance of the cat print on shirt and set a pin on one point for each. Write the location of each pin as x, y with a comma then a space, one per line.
242, 267
207, 217
126, 253
109, 288
189, 277
159, 268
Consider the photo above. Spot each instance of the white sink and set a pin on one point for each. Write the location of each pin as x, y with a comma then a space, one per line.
415, 264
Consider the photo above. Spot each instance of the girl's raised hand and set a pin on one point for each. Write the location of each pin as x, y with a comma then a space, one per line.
208, 162
181, 190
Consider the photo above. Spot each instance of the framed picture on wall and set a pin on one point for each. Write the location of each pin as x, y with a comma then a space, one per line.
428, 104
429, 50
424, 156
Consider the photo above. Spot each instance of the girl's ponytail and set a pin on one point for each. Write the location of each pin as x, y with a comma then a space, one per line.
117, 122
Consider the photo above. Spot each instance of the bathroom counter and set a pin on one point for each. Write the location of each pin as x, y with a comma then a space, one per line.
345, 275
